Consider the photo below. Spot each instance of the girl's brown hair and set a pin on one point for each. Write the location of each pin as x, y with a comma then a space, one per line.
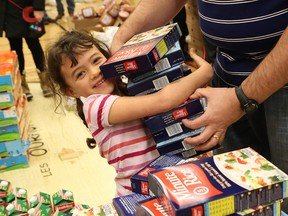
70, 45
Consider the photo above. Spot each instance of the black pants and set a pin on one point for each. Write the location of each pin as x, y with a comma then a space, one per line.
35, 48
180, 18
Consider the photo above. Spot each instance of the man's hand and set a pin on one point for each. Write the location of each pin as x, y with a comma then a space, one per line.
223, 109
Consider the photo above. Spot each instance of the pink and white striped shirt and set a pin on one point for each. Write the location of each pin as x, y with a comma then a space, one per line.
128, 147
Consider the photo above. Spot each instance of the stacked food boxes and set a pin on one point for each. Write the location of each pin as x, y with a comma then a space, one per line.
14, 123
151, 60
240, 182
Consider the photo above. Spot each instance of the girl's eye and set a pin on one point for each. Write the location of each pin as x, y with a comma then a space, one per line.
80, 74
96, 60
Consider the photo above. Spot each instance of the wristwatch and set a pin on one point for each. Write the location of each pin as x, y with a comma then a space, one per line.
247, 105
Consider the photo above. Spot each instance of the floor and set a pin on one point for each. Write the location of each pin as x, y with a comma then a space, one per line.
59, 157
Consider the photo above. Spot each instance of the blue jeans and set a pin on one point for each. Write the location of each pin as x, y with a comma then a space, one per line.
70, 6
276, 109
249, 131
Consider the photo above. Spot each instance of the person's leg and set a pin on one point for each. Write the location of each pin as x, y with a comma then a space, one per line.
17, 45
39, 60
60, 9
276, 108
249, 131
70, 7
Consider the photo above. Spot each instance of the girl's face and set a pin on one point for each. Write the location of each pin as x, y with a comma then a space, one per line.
85, 78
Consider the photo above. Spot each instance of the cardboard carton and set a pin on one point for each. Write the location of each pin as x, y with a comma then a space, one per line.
186, 110
139, 181
142, 51
63, 200
219, 185
126, 205
155, 81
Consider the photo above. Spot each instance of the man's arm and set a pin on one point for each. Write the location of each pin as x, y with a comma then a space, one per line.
148, 14
271, 74
223, 107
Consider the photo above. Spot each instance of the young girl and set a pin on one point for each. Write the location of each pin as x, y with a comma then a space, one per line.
114, 119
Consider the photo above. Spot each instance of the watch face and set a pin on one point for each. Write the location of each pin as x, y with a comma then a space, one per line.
251, 106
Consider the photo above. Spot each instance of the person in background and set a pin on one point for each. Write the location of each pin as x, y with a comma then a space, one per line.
47, 19
60, 8
180, 18
114, 119
16, 28
250, 72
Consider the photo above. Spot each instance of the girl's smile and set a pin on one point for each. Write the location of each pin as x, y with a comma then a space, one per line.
85, 78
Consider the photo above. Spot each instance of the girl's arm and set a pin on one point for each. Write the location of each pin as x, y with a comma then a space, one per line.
129, 108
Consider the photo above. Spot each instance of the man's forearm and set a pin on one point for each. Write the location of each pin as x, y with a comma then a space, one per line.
147, 15
271, 74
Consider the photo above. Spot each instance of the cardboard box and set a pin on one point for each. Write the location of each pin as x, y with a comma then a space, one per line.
219, 185
6, 100
155, 81
14, 148
150, 207
142, 51
4, 188
172, 58
126, 205
271, 209
189, 109
11, 163
42, 198
139, 181
63, 200
87, 24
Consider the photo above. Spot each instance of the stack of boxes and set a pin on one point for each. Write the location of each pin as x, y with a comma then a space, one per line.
14, 123
151, 60
240, 182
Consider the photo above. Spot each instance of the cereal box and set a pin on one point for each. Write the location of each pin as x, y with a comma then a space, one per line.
219, 185
142, 51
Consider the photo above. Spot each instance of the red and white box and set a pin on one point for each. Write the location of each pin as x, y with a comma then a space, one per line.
219, 185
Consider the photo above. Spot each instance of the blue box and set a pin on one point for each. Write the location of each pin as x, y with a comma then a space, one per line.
126, 205
6, 100
187, 110
155, 81
142, 51
11, 163
14, 148
172, 58
8, 116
